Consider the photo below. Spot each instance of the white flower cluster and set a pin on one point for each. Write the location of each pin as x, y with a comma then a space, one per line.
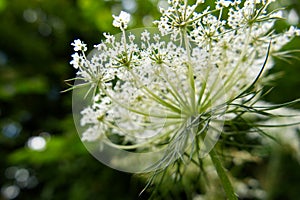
149, 86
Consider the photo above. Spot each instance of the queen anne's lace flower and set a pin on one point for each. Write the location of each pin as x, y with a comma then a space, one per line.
166, 88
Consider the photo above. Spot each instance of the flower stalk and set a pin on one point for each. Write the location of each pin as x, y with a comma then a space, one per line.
223, 176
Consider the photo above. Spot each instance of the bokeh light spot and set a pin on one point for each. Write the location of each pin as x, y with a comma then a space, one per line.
30, 15
11, 130
45, 29
10, 192
10, 172
293, 17
3, 58
37, 143
22, 175
129, 5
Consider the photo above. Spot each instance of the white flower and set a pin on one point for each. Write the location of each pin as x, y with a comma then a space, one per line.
160, 80
145, 36
76, 60
78, 45
92, 133
225, 3
122, 20
165, 87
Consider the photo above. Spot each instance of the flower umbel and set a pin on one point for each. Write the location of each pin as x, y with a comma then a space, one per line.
165, 93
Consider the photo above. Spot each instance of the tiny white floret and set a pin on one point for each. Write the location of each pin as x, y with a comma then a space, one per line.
79, 45
122, 20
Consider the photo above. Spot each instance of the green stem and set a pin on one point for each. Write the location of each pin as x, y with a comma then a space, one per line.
223, 176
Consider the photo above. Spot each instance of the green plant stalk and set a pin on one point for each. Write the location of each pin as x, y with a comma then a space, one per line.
223, 176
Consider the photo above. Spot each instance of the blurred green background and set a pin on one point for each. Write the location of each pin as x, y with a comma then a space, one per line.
41, 154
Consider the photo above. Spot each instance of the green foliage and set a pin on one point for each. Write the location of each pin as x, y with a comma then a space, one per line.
94, 12
2, 5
